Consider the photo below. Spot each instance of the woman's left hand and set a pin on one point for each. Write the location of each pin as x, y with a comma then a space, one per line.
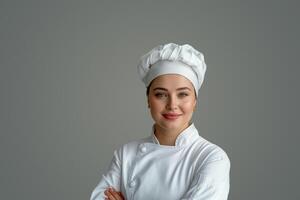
112, 194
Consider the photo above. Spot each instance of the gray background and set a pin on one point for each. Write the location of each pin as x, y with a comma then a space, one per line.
70, 93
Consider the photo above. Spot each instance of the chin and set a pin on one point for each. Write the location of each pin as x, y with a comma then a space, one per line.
171, 125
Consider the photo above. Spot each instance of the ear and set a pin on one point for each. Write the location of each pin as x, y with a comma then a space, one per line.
148, 102
195, 105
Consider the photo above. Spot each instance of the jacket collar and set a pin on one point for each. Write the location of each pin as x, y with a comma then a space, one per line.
187, 136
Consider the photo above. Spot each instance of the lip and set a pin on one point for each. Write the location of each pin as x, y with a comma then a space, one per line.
171, 116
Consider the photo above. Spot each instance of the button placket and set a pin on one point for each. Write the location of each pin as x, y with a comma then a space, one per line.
142, 149
132, 183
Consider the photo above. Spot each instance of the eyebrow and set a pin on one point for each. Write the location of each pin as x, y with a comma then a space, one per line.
182, 88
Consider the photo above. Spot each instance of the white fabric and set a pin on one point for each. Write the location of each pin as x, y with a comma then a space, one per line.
185, 54
145, 170
171, 67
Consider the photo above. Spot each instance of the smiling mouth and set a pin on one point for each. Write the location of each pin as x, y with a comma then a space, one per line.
171, 116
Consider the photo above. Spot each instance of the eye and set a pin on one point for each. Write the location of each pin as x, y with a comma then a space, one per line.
183, 94
160, 95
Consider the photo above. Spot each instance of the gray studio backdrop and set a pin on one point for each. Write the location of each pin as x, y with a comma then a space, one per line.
70, 93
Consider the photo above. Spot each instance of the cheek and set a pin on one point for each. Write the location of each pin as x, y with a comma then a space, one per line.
155, 104
188, 106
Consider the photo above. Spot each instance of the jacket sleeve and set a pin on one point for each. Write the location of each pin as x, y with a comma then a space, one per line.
109, 179
211, 180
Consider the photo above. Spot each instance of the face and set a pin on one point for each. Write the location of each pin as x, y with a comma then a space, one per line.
171, 100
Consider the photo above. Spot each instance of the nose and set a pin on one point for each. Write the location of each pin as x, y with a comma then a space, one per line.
172, 103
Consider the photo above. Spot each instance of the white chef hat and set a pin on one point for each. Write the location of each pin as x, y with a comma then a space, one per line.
173, 59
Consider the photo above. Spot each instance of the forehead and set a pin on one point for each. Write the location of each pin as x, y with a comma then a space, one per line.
172, 81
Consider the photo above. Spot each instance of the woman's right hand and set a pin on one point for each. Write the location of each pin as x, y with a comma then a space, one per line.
112, 194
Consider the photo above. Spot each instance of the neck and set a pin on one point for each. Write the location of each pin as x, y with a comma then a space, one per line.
167, 136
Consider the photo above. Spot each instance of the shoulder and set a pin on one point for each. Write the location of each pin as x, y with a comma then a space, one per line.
209, 153
211, 162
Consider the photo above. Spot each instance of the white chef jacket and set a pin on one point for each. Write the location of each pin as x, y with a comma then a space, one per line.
145, 170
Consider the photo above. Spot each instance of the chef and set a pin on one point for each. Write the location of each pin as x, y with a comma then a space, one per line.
174, 162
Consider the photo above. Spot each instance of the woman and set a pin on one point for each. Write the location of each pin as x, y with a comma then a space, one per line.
174, 162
